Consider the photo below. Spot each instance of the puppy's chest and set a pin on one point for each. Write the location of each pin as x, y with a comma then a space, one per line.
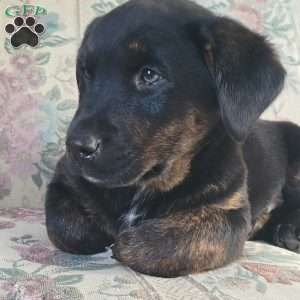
133, 216
149, 205
145, 205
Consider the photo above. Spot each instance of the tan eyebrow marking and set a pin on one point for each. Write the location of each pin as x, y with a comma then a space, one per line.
137, 45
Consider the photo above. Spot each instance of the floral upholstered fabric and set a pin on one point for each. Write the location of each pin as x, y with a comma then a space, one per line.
38, 93
31, 269
38, 97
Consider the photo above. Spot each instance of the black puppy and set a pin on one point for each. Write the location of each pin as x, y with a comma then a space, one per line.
165, 157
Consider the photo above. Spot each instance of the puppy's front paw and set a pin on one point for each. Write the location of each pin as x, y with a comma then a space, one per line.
287, 236
123, 247
146, 249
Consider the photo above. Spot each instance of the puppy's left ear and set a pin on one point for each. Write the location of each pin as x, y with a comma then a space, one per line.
247, 73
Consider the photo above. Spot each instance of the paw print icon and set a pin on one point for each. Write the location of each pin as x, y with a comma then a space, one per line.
25, 31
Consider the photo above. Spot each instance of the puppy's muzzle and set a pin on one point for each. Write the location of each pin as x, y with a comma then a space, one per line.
84, 147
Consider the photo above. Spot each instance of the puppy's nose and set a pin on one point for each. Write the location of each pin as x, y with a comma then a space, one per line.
84, 147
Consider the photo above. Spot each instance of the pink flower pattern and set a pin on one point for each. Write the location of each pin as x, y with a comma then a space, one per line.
36, 253
23, 214
6, 225
20, 136
274, 274
39, 287
248, 15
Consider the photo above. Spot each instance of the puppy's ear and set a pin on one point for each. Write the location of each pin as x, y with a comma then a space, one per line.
247, 73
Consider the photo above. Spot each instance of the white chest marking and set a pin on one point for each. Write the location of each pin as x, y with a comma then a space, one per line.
131, 217
135, 212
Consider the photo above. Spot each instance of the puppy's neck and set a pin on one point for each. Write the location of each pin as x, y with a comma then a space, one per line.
177, 170
173, 175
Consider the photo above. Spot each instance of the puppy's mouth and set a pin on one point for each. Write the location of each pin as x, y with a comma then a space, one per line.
125, 177
131, 170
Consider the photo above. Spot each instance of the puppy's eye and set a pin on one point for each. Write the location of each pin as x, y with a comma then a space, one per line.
149, 77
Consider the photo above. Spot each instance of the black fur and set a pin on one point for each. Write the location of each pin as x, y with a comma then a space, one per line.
166, 157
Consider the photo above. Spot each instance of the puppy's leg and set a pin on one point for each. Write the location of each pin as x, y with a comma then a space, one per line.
184, 243
71, 227
286, 234
286, 230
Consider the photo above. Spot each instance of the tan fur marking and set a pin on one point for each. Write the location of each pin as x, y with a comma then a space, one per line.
266, 214
235, 201
172, 176
175, 144
137, 45
261, 222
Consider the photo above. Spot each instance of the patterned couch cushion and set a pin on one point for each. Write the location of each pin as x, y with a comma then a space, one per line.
31, 269
38, 85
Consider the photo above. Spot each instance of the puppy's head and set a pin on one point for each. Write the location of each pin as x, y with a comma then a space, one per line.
155, 77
